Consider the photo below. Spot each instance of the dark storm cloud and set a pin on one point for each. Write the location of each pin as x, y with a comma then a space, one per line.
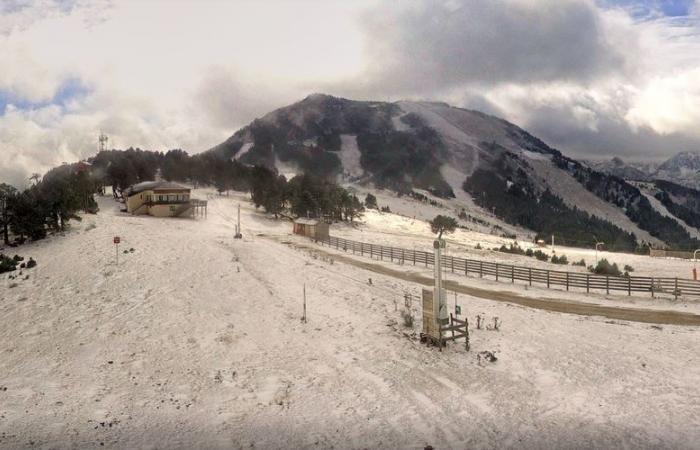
612, 136
439, 45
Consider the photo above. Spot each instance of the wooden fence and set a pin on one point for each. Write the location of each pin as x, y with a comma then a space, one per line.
670, 254
510, 273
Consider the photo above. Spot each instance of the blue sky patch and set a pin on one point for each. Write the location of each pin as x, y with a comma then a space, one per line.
643, 8
70, 89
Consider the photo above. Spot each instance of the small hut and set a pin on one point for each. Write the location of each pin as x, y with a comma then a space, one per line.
313, 228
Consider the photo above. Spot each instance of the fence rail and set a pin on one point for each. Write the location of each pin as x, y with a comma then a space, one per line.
511, 273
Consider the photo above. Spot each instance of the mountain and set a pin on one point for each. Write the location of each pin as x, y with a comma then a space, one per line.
622, 169
683, 168
465, 158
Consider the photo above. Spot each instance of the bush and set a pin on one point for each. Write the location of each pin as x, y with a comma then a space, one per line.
7, 264
581, 263
540, 255
31, 263
628, 268
512, 249
478, 246
605, 268
560, 259
386, 209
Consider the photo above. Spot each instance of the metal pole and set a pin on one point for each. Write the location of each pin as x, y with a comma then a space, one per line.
303, 318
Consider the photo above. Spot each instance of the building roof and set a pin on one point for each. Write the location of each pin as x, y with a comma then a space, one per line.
155, 186
305, 221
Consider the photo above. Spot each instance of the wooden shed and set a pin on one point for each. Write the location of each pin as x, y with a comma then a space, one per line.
312, 228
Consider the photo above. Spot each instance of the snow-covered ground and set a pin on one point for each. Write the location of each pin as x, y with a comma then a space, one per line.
350, 156
195, 341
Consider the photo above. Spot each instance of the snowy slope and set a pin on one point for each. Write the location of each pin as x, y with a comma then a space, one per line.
657, 205
194, 341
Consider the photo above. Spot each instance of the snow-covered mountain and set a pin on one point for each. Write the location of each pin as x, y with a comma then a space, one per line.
682, 168
482, 161
624, 169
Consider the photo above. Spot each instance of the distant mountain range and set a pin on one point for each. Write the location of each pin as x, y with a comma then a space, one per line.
682, 168
469, 160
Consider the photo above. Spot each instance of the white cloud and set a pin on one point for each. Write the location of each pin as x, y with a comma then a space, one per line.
164, 74
669, 104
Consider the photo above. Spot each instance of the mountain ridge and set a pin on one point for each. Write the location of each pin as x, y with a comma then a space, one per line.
464, 156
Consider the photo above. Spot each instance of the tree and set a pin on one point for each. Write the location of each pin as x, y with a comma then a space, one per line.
7, 192
443, 224
371, 201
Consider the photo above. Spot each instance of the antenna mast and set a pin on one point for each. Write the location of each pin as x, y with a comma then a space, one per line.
103, 141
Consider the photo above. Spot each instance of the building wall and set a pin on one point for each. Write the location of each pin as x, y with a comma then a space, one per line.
135, 201
322, 230
169, 211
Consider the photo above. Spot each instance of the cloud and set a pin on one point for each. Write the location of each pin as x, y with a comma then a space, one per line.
440, 45
592, 78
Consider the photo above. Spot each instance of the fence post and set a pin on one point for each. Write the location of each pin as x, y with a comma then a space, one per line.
548, 279
496, 271
588, 283
652, 287
629, 286
466, 267
426, 258
675, 290
481, 269
529, 275
567, 281
607, 285
512, 274
453, 264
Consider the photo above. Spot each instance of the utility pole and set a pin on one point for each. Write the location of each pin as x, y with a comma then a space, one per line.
552, 244
597, 244
238, 234
439, 300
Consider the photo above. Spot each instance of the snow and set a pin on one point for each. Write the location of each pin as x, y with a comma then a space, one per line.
573, 193
534, 155
661, 209
350, 156
399, 125
287, 169
244, 149
194, 341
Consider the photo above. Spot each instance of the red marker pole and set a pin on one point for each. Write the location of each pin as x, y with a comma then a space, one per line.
116, 241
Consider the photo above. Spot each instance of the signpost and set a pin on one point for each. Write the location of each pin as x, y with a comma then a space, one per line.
116, 241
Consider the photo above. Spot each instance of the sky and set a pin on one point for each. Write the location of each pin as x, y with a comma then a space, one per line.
593, 78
